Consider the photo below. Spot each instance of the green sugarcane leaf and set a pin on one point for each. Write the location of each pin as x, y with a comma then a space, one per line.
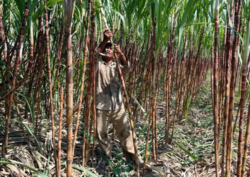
13, 162
106, 159
122, 18
20, 6
84, 170
32, 113
2, 63
187, 152
187, 108
188, 8
246, 6
32, 5
29, 131
41, 9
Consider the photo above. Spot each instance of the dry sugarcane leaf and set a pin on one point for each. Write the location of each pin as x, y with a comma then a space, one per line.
18, 171
4, 172
13, 169
38, 160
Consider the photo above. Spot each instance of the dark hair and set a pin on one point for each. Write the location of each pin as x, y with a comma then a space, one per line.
107, 45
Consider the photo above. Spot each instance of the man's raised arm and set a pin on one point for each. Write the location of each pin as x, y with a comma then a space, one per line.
107, 35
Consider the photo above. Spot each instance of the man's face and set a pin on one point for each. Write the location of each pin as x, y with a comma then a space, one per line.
108, 52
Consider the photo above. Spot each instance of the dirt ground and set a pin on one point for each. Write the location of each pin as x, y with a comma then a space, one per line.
191, 153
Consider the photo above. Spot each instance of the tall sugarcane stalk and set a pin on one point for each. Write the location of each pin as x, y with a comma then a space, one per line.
228, 57
69, 6
153, 101
13, 82
168, 83
147, 139
242, 104
188, 80
130, 118
246, 52
222, 65
231, 102
215, 88
39, 66
93, 46
50, 82
60, 134
59, 52
178, 88
91, 81
83, 74
87, 117
4, 46
29, 67
2, 38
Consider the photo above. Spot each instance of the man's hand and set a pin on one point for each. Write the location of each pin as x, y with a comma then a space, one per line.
117, 49
120, 55
107, 34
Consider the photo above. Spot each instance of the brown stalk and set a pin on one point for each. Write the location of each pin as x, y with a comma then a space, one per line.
50, 82
69, 7
60, 134
215, 88
83, 75
228, 57
92, 81
232, 94
13, 82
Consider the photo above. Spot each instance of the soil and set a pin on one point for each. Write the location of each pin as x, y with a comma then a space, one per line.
191, 153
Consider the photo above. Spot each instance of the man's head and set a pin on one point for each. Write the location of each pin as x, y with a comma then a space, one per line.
108, 52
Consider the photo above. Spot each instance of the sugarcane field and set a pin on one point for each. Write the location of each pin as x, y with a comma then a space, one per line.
124, 88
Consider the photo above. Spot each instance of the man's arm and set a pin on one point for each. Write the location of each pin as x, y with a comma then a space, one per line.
101, 46
121, 56
107, 35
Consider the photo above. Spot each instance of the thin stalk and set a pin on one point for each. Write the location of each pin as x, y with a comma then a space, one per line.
231, 103
92, 80
130, 118
215, 86
93, 76
246, 52
228, 58
60, 134
50, 82
83, 75
13, 82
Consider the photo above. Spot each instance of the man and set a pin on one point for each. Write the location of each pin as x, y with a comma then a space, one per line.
109, 102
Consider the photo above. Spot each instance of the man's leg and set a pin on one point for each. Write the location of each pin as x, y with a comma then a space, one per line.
102, 121
123, 130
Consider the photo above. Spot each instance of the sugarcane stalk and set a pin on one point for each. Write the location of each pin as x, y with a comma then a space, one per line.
13, 82
93, 46
69, 6
168, 83
244, 158
50, 82
39, 67
147, 139
215, 88
83, 75
92, 80
29, 67
153, 101
231, 103
228, 58
60, 134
